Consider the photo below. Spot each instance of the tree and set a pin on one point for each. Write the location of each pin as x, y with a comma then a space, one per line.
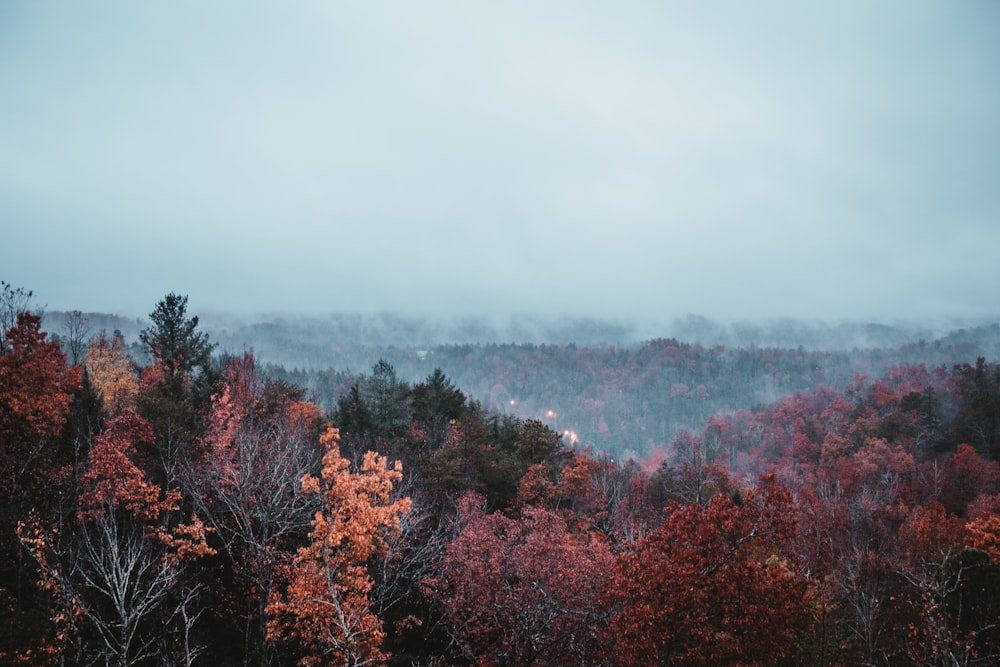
475, 456
713, 585
977, 418
354, 419
536, 443
878, 601
36, 390
86, 419
14, 301
966, 475
173, 339
525, 591
326, 608
958, 612
436, 402
118, 562
77, 328
375, 413
972, 608
259, 443
570, 491
177, 385
402, 597
389, 400
984, 534
112, 373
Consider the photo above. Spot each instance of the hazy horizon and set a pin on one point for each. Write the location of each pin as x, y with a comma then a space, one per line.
636, 163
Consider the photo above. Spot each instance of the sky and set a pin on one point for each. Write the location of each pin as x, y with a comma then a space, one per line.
611, 160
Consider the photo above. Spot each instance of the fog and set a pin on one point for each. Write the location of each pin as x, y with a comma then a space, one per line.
454, 160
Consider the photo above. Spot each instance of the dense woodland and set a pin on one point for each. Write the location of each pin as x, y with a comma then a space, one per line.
630, 400
165, 503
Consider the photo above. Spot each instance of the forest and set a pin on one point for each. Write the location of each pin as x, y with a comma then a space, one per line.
164, 502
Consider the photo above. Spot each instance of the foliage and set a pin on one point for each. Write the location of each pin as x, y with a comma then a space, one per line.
713, 585
525, 591
209, 512
36, 392
113, 374
326, 609
118, 562
259, 441
173, 339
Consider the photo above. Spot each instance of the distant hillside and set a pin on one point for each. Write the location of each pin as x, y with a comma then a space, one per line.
631, 399
338, 340
595, 381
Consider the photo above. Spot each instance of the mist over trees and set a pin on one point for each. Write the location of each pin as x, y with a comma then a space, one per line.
598, 382
169, 499
630, 399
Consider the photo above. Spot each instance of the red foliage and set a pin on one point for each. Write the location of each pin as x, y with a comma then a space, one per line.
714, 585
984, 534
967, 475
931, 536
525, 591
112, 479
36, 389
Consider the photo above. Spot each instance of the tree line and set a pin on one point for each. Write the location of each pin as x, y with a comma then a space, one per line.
195, 509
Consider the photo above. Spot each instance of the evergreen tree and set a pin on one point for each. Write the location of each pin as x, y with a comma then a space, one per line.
173, 339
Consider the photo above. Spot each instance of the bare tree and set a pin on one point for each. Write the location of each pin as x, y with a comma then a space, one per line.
77, 327
122, 583
113, 579
179, 647
13, 302
247, 482
250, 496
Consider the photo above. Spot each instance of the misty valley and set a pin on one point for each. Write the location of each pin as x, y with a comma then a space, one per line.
499, 334
385, 489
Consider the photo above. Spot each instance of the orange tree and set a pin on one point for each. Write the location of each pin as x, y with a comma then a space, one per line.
112, 373
326, 609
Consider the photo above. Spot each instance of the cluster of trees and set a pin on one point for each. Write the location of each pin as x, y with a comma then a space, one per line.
619, 396
629, 400
895, 497
194, 509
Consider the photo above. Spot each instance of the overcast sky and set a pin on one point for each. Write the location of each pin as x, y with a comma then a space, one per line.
630, 159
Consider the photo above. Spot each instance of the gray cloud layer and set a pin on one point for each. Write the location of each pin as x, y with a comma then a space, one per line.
731, 159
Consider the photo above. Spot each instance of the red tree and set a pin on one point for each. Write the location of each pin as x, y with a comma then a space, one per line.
525, 591
967, 475
36, 389
713, 585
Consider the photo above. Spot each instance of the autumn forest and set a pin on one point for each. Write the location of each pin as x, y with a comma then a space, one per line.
165, 501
